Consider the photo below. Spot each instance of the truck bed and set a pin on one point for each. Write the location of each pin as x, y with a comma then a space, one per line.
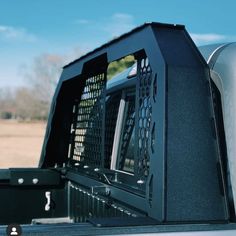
89, 229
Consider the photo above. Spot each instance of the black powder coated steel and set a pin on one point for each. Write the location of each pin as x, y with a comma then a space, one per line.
176, 151
175, 174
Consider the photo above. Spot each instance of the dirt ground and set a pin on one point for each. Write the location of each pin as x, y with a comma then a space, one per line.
20, 143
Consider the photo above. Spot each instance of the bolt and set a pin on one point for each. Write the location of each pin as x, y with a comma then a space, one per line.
20, 181
35, 181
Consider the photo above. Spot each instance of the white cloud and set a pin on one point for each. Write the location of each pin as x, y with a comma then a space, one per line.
119, 23
208, 38
17, 34
111, 27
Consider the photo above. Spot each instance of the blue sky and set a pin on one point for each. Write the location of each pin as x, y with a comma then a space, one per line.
69, 28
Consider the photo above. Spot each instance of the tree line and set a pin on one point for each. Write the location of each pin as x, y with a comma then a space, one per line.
32, 101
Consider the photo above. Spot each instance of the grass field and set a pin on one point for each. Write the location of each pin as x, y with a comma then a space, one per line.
20, 143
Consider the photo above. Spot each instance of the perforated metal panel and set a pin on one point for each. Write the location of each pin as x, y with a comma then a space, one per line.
87, 132
175, 163
144, 116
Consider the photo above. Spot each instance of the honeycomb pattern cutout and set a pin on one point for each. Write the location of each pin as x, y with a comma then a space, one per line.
144, 117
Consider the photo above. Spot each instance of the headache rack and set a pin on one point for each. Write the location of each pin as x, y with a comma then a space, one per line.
172, 172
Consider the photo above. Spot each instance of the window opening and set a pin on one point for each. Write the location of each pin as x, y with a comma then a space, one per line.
127, 145
112, 107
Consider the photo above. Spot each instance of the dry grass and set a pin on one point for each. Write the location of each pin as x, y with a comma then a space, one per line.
20, 143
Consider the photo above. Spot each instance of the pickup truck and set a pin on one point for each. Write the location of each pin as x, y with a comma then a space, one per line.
149, 152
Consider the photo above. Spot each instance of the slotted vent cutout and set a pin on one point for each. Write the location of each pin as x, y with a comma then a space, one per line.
86, 131
144, 117
89, 205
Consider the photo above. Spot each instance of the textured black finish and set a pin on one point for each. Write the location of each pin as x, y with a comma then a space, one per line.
21, 204
176, 162
44, 177
144, 116
193, 184
192, 177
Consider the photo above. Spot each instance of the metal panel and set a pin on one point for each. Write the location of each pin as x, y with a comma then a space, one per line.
144, 118
88, 128
167, 142
22, 204
34, 177
85, 205
127, 198
194, 183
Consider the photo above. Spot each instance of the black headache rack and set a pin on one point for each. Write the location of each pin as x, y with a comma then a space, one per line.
174, 174
177, 174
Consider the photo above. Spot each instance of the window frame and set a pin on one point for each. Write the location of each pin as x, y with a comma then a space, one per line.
119, 131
